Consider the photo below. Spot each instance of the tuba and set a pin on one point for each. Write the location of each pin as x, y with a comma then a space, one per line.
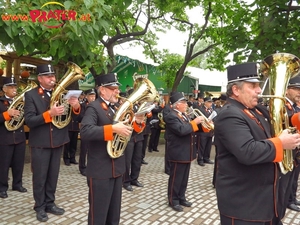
73, 74
144, 91
278, 69
196, 112
18, 104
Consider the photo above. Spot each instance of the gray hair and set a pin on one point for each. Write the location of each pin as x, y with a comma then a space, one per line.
229, 91
174, 105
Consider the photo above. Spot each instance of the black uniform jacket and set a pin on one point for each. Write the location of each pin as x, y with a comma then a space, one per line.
96, 130
247, 175
294, 121
75, 120
9, 137
180, 137
155, 112
43, 134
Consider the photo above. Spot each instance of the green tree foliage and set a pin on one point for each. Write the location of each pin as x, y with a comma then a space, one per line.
251, 31
170, 66
207, 30
89, 42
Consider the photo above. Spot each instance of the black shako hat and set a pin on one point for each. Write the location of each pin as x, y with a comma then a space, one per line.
294, 82
177, 96
248, 72
45, 70
207, 99
90, 92
109, 79
9, 81
223, 97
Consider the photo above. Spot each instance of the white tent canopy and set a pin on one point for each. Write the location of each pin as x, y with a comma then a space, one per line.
208, 77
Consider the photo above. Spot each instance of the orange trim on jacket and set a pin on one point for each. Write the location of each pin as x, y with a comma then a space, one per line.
278, 148
76, 112
6, 115
295, 120
194, 125
205, 129
138, 127
47, 117
108, 132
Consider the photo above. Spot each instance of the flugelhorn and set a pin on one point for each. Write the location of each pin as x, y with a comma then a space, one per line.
206, 123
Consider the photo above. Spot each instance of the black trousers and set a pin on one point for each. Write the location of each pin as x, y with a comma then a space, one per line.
294, 180
233, 221
154, 139
82, 155
133, 157
204, 146
71, 147
284, 192
167, 162
45, 163
104, 201
12, 156
178, 180
145, 143
215, 167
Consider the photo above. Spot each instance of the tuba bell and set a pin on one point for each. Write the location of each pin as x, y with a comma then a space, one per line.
144, 91
278, 69
73, 74
18, 104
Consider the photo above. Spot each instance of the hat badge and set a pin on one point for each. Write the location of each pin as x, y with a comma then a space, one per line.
50, 70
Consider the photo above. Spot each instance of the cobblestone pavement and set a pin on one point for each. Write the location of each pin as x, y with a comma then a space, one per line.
143, 206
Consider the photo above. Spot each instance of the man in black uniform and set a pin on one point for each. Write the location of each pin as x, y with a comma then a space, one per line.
155, 128
247, 172
293, 97
90, 97
71, 147
46, 141
104, 174
204, 137
133, 153
181, 149
13, 143
146, 133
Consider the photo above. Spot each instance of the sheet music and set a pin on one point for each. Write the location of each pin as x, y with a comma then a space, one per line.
75, 93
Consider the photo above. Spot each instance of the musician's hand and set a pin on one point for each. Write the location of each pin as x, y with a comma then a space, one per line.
13, 113
289, 141
122, 128
56, 110
139, 118
73, 101
199, 119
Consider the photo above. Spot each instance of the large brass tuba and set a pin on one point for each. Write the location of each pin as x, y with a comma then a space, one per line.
18, 104
279, 68
73, 74
144, 91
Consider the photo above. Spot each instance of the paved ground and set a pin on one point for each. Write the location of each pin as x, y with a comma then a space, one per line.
143, 206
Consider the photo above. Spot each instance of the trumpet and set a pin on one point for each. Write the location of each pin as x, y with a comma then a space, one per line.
206, 123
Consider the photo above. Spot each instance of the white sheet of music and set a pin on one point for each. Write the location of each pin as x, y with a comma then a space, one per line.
75, 93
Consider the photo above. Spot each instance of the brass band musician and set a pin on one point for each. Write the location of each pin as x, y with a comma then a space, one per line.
46, 141
13, 143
